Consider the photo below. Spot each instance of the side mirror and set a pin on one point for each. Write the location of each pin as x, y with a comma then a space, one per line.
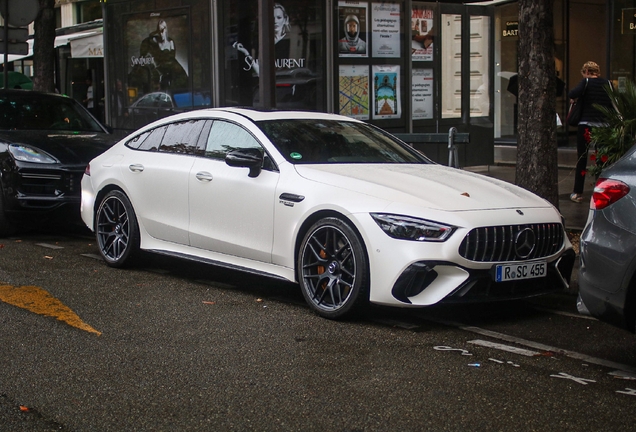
251, 158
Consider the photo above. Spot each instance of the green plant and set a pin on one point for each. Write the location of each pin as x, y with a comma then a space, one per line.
618, 134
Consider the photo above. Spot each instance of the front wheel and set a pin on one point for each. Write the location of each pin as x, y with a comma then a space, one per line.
117, 230
333, 269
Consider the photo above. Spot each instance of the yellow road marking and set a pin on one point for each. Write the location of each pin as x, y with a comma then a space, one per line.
39, 301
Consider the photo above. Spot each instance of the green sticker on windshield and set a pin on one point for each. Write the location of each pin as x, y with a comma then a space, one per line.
295, 155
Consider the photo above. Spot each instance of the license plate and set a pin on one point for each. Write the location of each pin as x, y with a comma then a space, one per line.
531, 270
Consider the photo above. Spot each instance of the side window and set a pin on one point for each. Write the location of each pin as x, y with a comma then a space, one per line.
137, 141
148, 141
182, 137
225, 137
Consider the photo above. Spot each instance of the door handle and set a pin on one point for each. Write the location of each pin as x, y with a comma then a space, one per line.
204, 176
136, 167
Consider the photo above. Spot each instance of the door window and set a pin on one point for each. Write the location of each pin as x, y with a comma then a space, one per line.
182, 137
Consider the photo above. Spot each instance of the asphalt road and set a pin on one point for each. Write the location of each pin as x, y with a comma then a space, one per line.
178, 346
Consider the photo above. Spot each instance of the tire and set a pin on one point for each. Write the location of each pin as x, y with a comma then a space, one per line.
116, 230
7, 228
333, 268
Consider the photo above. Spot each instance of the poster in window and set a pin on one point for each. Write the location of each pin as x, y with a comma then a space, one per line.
352, 24
386, 92
422, 33
157, 53
422, 94
385, 30
354, 91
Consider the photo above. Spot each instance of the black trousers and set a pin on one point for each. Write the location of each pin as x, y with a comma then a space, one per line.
581, 162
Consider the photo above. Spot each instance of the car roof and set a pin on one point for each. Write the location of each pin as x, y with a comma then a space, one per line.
263, 115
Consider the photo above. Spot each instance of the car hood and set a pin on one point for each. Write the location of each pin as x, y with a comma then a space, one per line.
67, 147
431, 186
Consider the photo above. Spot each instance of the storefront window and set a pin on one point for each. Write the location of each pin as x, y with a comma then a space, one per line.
479, 66
370, 60
506, 37
299, 54
623, 44
451, 54
422, 56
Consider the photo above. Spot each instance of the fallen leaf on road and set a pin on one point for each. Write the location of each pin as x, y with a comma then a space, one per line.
259, 300
48, 257
209, 302
23, 408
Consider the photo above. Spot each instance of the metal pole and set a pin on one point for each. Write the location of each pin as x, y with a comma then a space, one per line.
5, 67
266, 76
453, 160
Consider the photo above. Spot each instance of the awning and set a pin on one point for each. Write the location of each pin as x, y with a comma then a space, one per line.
88, 45
85, 44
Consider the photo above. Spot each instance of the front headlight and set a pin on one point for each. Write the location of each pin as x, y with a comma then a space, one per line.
30, 154
409, 228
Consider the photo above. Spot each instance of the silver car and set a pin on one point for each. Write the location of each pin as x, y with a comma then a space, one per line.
607, 281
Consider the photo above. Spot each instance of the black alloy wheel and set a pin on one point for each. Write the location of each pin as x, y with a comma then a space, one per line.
117, 230
333, 269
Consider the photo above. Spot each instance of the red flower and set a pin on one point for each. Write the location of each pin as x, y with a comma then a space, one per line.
593, 157
583, 173
586, 135
604, 158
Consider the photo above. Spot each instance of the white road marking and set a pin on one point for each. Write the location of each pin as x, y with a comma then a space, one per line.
623, 375
502, 347
628, 391
567, 314
447, 348
583, 381
541, 347
49, 246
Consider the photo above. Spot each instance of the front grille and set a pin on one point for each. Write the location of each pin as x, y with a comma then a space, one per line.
36, 184
498, 243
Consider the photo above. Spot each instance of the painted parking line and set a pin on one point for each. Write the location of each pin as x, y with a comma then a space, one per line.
548, 348
39, 301
49, 246
502, 347
539, 346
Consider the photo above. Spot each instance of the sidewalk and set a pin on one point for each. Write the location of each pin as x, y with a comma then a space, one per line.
575, 214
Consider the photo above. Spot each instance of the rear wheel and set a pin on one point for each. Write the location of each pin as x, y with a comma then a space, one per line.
117, 230
333, 269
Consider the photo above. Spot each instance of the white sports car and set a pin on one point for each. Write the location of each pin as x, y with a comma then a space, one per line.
343, 208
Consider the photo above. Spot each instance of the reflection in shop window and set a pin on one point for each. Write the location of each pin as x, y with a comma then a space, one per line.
299, 53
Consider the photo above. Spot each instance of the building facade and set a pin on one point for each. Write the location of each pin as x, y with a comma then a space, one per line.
406, 66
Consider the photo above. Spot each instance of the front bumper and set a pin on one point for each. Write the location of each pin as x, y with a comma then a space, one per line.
479, 285
410, 274
29, 189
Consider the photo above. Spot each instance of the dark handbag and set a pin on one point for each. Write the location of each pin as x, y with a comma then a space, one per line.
576, 109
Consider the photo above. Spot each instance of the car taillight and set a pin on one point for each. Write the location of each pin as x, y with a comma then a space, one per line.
607, 192
87, 171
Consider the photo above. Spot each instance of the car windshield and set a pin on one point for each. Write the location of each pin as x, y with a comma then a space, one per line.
305, 141
35, 111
